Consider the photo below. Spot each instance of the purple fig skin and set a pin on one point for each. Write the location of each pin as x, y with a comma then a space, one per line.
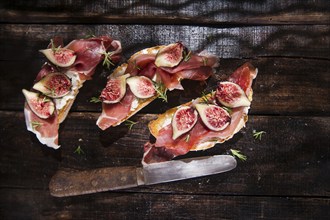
115, 89
231, 95
142, 87
213, 116
169, 56
43, 107
183, 121
60, 57
54, 85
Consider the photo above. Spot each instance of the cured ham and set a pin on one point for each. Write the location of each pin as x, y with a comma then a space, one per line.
88, 53
46, 130
200, 137
155, 63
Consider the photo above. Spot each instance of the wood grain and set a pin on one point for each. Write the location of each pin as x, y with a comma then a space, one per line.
288, 154
286, 175
226, 42
210, 12
116, 205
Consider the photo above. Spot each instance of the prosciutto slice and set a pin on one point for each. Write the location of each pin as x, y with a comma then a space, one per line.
45, 129
198, 67
113, 113
89, 53
200, 137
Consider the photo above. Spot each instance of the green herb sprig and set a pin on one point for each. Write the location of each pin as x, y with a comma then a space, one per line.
205, 60
107, 59
229, 110
45, 99
136, 66
95, 100
238, 154
36, 124
51, 92
130, 124
90, 35
258, 134
161, 91
54, 49
187, 138
206, 98
186, 56
79, 151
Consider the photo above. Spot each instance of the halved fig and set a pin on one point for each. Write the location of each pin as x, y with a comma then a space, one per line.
42, 106
115, 89
170, 55
60, 56
183, 121
231, 95
141, 86
213, 116
54, 85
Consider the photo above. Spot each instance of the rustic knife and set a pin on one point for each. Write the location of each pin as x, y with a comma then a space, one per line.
66, 183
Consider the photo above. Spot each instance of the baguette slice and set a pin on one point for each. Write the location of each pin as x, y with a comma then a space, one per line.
199, 137
89, 53
143, 63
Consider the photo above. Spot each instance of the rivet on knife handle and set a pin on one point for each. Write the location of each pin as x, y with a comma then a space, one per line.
70, 183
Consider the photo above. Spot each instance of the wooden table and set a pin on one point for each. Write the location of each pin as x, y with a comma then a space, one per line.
286, 175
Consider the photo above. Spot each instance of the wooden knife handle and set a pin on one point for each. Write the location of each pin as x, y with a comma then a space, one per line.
70, 183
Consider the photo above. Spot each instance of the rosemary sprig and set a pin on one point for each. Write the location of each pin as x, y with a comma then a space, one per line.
187, 138
90, 35
36, 124
130, 124
205, 60
95, 100
161, 91
258, 134
229, 110
136, 66
45, 99
79, 151
238, 154
186, 56
51, 92
207, 97
54, 49
107, 59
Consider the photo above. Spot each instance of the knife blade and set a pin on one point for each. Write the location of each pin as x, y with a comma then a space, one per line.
71, 183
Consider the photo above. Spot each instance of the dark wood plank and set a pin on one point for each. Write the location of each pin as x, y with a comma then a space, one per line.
158, 206
286, 175
290, 160
166, 12
22, 42
284, 86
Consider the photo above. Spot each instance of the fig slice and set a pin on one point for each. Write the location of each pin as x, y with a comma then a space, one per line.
141, 86
169, 56
213, 116
115, 89
231, 95
183, 121
54, 85
42, 106
60, 56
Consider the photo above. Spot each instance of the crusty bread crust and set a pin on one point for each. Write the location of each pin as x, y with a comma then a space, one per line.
163, 119
63, 112
120, 70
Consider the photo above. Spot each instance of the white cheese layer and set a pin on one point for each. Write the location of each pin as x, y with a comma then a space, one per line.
76, 84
